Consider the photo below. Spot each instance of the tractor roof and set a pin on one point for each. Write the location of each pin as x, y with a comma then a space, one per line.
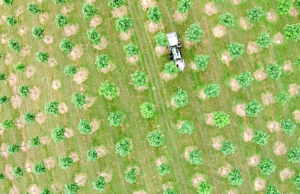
172, 38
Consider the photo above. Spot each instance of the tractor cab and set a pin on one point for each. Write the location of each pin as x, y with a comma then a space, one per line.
174, 47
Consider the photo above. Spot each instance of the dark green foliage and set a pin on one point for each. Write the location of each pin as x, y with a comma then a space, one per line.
2, 77
11, 20
99, 184
20, 67
180, 98
131, 49
187, 127
217, 1
154, 14
195, 157
70, 70
292, 31
255, 14
228, 148
194, 32
101, 62
184, 6
18, 172
253, 108
66, 45
116, 3
78, 100
297, 181
169, 191
91, 155
58, 134
147, 110
61, 20
115, 118
161, 39
29, 117
235, 177
201, 61
244, 79
130, 176
282, 98
123, 147
65, 162
221, 119
212, 90
94, 36
123, 24
42, 57
14, 45
84, 127
71, 188
272, 190
298, 60
7, 124
288, 126
8, 2
34, 142
33, 8
59, 1
267, 166
284, 6
226, 20
204, 188
45, 191
260, 137
294, 155
170, 68
264, 40
38, 32
163, 169
88, 10
3, 99
156, 138
235, 50
23, 91
1, 177
139, 78
274, 71
108, 90
52, 108
13, 149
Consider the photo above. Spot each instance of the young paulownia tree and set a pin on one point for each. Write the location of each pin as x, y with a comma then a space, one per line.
170, 68
28, 117
139, 78
13, 149
244, 79
195, 157
287, 126
7, 124
58, 134
71, 188
255, 14
108, 90
20, 67
228, 148
204, 188
115, 118
84, 127
116, 3
184, 6
282, 98
65, 162
14, 45
34, 142
147, 110
91, 155
194, 32
201, 61
163, 169
78, 100
88, 10
23, 91
187, 127
131, 50
292, 31
130, 176
123, 147
284, 6
253, 108
156, 139
235, 177
66, 45
33, 8
70, 70
272, 190
212, 90
61, 20
264, 40
11, 20
52, 108
226, 20
267, 166
274, 71
123, 24
42, 57
180, 98
39, 168
161, 39
221, 119
260, 137
294, 155
38, 32
154, 14
94, 36
101, 62
99, 184
235, 50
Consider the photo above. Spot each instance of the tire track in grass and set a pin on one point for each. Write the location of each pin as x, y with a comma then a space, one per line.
145, 39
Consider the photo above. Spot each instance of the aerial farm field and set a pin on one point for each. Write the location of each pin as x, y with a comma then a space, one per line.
90, 102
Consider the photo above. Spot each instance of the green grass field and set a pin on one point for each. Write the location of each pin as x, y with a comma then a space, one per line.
159, 92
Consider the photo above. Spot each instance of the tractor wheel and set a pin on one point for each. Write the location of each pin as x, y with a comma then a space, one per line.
170, 56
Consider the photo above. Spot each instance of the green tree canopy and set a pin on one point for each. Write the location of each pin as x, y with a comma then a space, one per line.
88, 10
3, 99
294, 155
59, 1
7, 124
28, 117
235, 177
66, 45
38, 32
101, 62
20, 67
84, 127
108, 90
61, 20
78, 100
65, 162
226, 20
91, 155
23, 91
147, 110
161, 39
8, 2
42, 57
58, 134
235, 50
115, 118
264, 40
221, 119
266, 166
45, 191
195, 157
99, 184
70, 70
34, 142
130, 176
154, 14
163, 169
260, 137
255, 14
170, 68
274, 71
39, 168
2, 77
169, 191
194, 32
11, 20
131, 50
123, 24
297, 181
94, 36
123, 147
33, 8
228, 148
244, 79
52, 108
71, 188
156, 138
13, 149
116, 3
204, 188
292, 31
180, 98
212, 90
288, 126
139, 78
187, 127
282, 98
201, 61
272, 190
253, 108
1, 177
284, 6
18, 172
184, 6
14, 45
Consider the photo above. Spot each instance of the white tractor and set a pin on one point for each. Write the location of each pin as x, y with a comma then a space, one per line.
174, 47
